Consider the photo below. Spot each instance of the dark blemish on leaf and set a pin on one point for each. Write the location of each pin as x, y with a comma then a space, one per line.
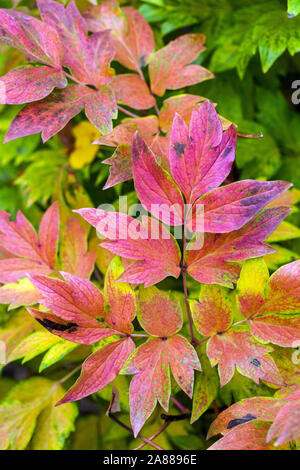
142, 60
227, 151
255, 362
179, 149
51, 325
236, 422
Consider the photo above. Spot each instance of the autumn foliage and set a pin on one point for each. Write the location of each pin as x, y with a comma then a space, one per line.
160, 319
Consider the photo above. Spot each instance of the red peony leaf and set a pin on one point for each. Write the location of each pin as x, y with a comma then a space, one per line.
88, 57
268, 302
74, 256
120, 166
122, 136
201, 157
215, 262
158, 257
286, 426
75, 305
155, 188
30, 254
152, 362
29, 83
181, 104
49, 234
37, 40
74, 331
19, 294
153, 305
284, 288
120, 297
131, 90
72, 299
212, 314
247, 436
249, 409
51, 114
132, 34
169, 69
99, 369
281, 330
124, 132
230, 207
237, 349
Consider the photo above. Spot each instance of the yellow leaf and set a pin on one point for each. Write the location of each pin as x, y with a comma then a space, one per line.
84, 152
28, 408
252, 286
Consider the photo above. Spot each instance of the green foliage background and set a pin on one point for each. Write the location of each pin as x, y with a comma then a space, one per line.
253, 50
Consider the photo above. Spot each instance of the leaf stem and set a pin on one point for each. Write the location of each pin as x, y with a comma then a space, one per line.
66, 377
177, 403
157, 433
188, 309
124, 426
129, 113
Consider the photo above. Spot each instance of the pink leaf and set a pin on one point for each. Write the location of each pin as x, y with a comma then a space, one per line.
49, 234
88, 57
124, 132
31, 255
74, 331
201, 157
120, 166
99, 369
230, 207
74, 300
182, 104
132, 34
132, 90
281, 330
152, 303
169, 67
74, 255
286, 426
152, 362
215, 262
249, 409
120, 297
155, 188
212, 314
51, 114
236, 349
37, 40
247, 436
29, 83
157, 257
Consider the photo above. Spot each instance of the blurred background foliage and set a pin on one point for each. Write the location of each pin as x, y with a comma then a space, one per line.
253, 50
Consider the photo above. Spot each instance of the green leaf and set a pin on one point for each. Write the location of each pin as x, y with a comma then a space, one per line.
57, 352
28, 410
40, 177
282, 256
34, 345
206, 386
241, 387
293, 8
